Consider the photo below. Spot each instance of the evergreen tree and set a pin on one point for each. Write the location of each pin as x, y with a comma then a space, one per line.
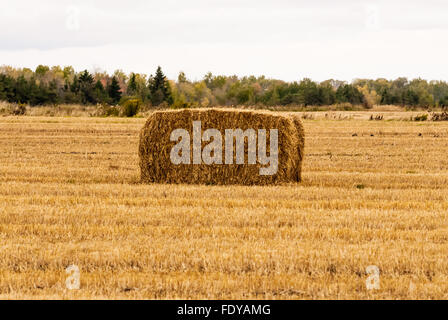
114, 90
86, 77
99, 92
86, 87
22, 90
132, 85
7, 88
159, 88
52, 93
74, 87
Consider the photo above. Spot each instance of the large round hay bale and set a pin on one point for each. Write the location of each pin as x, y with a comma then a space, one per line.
196, 162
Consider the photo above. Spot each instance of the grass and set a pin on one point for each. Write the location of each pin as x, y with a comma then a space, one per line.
70, 194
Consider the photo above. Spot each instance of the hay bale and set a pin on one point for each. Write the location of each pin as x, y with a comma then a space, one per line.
156, 146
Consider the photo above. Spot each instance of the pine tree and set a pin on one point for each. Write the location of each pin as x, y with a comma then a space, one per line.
86, 77
86, 87
132, 85
99, 86
114, 90
159, 88
74, 87
99, 92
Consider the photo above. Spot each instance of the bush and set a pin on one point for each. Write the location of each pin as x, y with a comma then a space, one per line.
421, 117
130, 107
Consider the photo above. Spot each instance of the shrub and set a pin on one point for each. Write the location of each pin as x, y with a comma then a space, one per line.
421, 117
130, 107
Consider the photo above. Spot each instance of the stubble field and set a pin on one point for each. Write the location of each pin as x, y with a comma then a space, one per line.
373, 193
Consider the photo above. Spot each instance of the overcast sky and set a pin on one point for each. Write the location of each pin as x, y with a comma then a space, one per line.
282, 39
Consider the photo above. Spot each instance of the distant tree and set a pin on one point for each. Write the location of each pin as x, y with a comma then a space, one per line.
208, 79
85, 77
52, 93
22, 90
349, 93
159, 88
68, 72
309, 92
327, 93
132, 85
181, 78
99, 92
114, 90
74, 87
99, 85
86, 84
410, 98
444, 102
274, 98
46, 85
41, 70
6, 88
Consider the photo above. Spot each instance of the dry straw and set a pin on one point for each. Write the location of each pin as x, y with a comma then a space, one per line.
155, 147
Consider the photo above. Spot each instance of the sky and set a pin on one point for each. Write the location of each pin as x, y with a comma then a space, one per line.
282, 39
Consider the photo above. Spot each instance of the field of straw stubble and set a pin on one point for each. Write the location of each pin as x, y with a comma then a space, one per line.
373, 193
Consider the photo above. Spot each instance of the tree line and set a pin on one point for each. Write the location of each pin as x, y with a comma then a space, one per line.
55, 85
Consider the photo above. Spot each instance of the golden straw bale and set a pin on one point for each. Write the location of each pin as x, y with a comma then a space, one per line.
155, 147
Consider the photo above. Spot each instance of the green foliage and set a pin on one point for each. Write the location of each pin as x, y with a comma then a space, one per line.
443, 102
132, 85
53, 85
114, 90
41, 70
181, 103
349, 93
86, 88
159, 88
99, 93
130, 107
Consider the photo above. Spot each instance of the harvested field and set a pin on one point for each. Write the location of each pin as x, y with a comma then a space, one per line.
373, 193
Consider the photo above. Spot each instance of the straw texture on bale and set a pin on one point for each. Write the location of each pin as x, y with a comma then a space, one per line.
155, 147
